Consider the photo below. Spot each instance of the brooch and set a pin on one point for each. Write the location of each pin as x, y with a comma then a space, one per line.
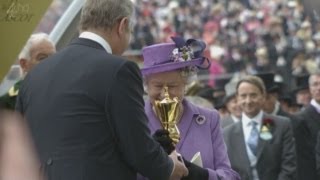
200, 119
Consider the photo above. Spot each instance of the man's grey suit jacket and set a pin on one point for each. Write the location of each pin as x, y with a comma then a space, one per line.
276, 158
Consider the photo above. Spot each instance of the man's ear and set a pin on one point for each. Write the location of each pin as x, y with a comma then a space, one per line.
23, 64
123, 27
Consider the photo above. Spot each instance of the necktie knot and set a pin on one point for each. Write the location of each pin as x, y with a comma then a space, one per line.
253, 124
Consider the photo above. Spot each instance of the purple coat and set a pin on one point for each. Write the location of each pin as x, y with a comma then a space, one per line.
200, 134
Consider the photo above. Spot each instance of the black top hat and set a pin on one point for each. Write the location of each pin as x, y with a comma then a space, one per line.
219, 102
302, 82
207, 93
220, 82
290, 100
268, 80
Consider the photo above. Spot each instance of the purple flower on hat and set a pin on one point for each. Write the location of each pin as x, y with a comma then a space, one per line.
172, 56
200, 119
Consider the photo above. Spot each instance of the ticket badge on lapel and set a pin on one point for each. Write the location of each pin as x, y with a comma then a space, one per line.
265, 133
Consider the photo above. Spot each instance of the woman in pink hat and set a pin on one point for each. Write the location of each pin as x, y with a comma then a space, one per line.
173, 65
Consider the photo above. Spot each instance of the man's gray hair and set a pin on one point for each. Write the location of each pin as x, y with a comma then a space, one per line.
105, 13
317, 73
34, 38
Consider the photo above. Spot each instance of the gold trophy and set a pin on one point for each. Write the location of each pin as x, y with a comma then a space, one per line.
167, 111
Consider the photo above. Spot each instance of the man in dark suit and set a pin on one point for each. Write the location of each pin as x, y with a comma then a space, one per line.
272, 104
318, 155
260, 146
85, 108
307, 131
302, 91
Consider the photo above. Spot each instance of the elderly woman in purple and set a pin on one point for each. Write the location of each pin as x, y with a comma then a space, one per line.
173, 65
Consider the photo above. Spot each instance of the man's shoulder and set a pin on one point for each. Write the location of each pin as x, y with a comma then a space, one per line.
277, 120
234, 127
8, 100
212, 113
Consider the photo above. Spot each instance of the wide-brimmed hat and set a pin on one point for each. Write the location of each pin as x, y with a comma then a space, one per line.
172, 56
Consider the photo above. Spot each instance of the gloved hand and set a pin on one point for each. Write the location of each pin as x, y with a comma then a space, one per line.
162, 137
195, 172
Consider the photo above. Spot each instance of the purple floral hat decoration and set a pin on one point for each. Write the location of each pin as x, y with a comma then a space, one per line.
172, 56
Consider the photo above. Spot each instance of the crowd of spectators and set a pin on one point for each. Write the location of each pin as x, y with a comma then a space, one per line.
243, 37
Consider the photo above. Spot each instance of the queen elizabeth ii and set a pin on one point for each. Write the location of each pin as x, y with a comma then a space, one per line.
168, 68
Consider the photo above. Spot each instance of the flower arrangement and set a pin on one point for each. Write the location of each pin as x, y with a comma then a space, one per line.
184, 53
267, 125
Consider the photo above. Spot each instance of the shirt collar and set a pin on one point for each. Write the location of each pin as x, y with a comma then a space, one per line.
246, 120
234, 118
315, 105
95, 37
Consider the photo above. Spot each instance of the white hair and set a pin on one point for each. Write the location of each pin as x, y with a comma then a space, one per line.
34, 38
189, 75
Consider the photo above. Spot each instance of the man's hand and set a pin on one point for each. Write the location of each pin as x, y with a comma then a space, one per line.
179, 171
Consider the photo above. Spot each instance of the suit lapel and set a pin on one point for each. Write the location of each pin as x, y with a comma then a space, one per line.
189, 114
239, 141
311, 111
262, 142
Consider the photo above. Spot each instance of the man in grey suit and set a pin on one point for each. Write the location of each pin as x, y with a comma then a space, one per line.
85, 109
260, 146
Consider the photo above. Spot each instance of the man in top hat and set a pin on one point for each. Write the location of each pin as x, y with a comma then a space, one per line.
219, 84
271, 104
260, 146
219, 94
37, 48
289, 104
302, 92
231, 105
307, 132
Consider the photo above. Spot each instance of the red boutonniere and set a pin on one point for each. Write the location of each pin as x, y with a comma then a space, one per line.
265, 133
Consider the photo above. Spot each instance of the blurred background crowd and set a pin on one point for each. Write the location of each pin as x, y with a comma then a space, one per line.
242, 36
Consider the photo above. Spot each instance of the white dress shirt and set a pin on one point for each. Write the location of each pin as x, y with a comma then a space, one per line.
315, 105
247, 126
95, 37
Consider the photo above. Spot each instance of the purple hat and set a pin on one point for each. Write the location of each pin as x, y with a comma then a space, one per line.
171, 56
